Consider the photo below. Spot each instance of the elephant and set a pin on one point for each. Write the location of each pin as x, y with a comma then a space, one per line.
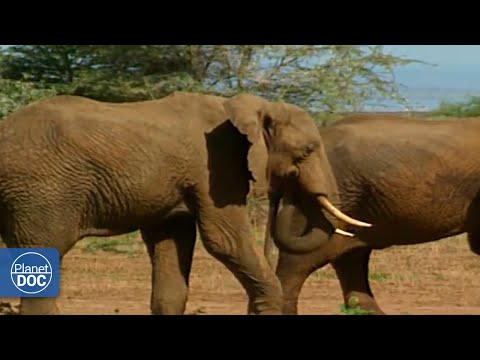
73, 167
417, 180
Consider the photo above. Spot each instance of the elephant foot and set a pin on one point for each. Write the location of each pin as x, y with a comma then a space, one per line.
361, 304
262, 307
39, 306
290, 307
169, 308
265, 312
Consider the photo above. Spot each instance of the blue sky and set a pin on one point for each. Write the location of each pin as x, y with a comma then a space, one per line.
456, 66
443, 55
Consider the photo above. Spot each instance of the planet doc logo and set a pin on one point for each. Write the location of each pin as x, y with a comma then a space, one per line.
31, 273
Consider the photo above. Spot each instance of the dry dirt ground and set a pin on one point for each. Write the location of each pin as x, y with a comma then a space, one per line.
112, 276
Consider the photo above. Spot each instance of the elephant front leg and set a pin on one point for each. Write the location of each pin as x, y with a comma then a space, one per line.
170, 247
474, 241
293, 270
352, 272
226, 236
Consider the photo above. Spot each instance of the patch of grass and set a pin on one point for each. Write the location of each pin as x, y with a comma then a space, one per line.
439, 276
119, 245
321, 274
378, 276
353, 311
353, 308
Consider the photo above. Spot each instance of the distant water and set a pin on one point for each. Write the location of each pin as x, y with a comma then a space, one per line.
426, 87
425, 99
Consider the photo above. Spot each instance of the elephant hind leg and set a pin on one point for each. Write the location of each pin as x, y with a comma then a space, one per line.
474, 241
46, 231
170, 246
352, 272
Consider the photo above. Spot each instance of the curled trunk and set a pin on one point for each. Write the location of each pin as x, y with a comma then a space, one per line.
274, 200
290, 233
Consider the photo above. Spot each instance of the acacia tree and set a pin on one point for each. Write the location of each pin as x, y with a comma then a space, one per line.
322, 78
15, 94
102, 72
45, 64
325, 79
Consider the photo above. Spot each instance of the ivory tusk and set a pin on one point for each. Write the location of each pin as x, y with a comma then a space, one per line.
343, 232
338, 214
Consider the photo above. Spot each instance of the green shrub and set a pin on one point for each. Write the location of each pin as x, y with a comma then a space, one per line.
15, 94
468, 108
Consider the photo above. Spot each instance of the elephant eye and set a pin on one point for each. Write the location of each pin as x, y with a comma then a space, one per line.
309, 149
303, 154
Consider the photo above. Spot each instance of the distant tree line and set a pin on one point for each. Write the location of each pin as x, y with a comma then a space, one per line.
324, 79
468, 108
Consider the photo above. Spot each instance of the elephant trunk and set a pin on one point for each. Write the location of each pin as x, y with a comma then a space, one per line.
311, 183
274, 200
287, 240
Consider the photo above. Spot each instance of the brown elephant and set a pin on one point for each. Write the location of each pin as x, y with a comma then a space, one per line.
71, 167
418, 181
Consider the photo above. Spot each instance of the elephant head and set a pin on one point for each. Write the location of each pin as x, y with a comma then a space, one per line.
297, 165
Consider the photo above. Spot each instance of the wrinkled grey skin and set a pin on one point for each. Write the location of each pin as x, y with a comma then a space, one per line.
417, 181
71, 167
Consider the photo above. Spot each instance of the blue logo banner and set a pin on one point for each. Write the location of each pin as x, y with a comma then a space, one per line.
29, 272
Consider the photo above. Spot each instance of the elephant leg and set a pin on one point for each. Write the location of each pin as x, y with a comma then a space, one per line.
352, 272
32, 233
170, 247
226, 235
42, 306
293, 270
39, 306
474, 241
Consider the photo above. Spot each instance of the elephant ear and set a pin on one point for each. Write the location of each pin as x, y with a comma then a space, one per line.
251, 115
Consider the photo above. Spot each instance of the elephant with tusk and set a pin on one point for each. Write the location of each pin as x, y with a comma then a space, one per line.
72, 167
416, 180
